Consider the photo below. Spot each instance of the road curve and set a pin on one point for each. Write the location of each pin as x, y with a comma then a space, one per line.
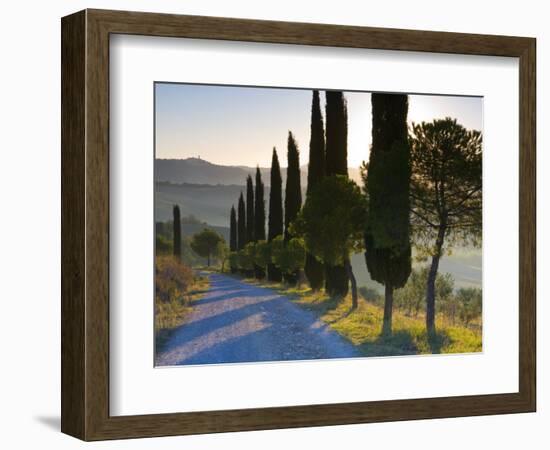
237, 322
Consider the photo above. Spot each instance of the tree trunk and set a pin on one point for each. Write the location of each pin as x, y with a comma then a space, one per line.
208, 259
430, 288
273, 273
336, 280
388, 309
351, 276
315, 272
301, 278
259, 272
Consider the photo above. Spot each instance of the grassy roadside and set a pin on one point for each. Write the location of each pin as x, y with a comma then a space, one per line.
362, 327
171, 314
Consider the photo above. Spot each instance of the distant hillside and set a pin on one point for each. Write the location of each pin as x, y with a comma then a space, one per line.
463, 265
209, 202
199, 171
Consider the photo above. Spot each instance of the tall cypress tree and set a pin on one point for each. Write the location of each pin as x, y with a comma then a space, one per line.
293, 194
293, 190
233, 233
259, 217
314, 269
336, 163
241, 223
259, 208
387, 237
249, 210
177, 231
275, 219
233, 230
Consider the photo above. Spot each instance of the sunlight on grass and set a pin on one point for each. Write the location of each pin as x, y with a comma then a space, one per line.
172, 313
362, 327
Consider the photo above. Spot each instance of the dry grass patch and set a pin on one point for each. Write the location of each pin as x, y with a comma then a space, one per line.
176, 288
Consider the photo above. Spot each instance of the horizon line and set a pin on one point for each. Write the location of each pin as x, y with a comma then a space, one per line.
233, 165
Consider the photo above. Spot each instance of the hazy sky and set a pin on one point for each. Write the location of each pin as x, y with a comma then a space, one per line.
240, 125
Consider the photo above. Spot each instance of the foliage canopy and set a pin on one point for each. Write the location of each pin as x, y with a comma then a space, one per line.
332, 220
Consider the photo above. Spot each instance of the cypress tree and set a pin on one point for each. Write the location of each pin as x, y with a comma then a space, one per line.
275, 219
313, 268
233, 230
387, 237
233, 233
293, 194
241, 224
249, 210
259, 208
177, 231
259, 217
293, 190
336, 163
337, 134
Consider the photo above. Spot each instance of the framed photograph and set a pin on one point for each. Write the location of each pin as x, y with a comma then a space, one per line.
273, 225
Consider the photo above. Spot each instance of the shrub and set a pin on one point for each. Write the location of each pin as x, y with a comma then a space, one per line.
246, 257
470, 300
371, 295
262, 253
172, 279
289, 256
163, 245
412, 297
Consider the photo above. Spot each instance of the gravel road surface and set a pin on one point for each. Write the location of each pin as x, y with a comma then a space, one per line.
237, 322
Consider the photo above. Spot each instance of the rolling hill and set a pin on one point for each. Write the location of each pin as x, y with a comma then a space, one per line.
200, 171
210, 203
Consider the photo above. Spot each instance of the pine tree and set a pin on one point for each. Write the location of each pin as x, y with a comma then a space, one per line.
314, 269
293, 190
259, 218
446, 193
275, 220
233, 234
177, 231
241, 224
249, 210
208, 244
388, 176
336, 163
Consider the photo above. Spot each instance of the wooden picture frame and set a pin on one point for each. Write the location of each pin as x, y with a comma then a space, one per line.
85, 224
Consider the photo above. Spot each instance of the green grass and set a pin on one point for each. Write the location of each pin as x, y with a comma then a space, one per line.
362, 327
170, 315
